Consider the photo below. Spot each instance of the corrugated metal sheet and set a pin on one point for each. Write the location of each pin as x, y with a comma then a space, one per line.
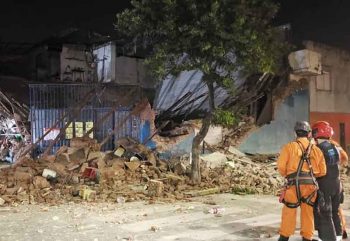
50, 102
174, 88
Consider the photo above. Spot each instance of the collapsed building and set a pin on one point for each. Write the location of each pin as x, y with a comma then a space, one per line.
90, 98
316, 89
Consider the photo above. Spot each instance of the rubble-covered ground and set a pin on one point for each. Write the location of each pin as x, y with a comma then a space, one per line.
247, 217
131, 193
82, 173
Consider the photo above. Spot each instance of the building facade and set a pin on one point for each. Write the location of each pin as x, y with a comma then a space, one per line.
318, 90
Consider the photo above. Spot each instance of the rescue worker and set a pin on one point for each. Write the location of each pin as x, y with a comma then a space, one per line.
300, 162
343, 162
343, 223
328, 218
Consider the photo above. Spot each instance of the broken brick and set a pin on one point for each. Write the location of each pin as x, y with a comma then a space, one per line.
133, 165
59, 168
40, 182
155, 188
62, 158
77, 155
24, 177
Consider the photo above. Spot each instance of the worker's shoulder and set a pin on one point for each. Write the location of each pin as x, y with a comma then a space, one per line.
334, 143
315, 148
290, 145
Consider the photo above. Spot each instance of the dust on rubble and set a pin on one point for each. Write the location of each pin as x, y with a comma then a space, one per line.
131, 172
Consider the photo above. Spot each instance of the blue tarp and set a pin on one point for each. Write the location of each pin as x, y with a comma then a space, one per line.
172, 89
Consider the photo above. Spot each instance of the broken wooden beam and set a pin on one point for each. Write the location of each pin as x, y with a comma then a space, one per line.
75, 113
204, 192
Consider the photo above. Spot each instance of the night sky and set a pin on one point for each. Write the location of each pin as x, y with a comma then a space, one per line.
326, 21
35, 20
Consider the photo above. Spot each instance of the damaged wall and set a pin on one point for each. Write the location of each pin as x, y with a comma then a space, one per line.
329, 92
270, 138
75, 65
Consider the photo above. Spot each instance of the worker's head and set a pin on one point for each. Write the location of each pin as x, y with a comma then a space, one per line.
322, 130
302, 129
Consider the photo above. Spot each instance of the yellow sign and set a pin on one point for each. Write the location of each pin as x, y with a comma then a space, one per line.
69, 131
79, 129
88, 126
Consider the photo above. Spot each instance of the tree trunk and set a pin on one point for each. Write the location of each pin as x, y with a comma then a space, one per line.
197, 140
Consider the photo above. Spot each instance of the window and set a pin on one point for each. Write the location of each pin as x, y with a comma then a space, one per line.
323, 82
69, 131
78, 129
89, 126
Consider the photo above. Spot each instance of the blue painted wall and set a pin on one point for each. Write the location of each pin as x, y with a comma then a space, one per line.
271, 137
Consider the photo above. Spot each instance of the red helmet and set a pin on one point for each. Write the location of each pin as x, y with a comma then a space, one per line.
322, 129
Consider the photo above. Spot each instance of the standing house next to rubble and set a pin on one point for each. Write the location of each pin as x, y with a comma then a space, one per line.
318, 89
69, 66
61, 70
82, 56
79, 107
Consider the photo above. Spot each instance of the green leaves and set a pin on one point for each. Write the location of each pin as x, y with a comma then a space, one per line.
207, 31
224, 118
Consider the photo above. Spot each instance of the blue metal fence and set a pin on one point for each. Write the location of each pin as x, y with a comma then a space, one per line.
50, 102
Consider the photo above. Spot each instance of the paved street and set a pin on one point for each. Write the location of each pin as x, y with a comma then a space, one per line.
244, 218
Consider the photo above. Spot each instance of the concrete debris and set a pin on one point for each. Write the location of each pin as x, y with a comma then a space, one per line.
155, 229
216, 210
49, 173
215, 159
82, 173
236, 152
236, 135
120, 200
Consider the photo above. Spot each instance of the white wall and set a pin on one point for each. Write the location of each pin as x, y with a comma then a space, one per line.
121, 70
105, 56
337, 63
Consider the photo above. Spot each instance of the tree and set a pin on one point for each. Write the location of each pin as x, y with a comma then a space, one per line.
218, 37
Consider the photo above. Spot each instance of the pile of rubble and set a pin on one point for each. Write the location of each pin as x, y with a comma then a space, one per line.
131, 172
244, 174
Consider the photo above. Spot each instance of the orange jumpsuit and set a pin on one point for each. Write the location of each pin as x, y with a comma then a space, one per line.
343, 155
287, 164
343, 162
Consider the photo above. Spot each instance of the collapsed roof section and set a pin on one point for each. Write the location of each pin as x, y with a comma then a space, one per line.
186, 95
